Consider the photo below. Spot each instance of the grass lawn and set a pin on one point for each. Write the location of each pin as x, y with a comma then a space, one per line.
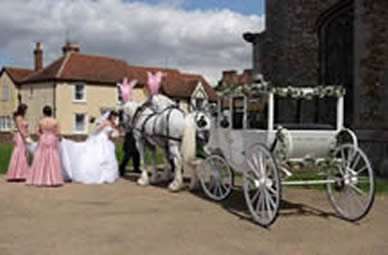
5, 155
6, 150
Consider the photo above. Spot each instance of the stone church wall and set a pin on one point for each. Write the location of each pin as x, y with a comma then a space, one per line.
291, 43
288, 52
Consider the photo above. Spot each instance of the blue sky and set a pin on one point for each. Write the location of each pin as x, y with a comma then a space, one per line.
197, 36
241, 6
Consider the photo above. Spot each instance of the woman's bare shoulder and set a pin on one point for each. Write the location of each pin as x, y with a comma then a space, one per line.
19, 118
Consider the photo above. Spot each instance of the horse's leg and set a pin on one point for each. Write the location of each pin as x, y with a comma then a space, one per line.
177, 183
168, 166
154, 171
143, 180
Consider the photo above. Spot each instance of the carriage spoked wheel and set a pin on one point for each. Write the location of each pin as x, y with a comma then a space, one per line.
262, 187
216, 177
353, 190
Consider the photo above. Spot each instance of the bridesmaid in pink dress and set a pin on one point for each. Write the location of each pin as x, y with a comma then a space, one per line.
46, 167
18, 165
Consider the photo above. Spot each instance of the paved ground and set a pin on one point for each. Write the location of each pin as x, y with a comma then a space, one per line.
123, 218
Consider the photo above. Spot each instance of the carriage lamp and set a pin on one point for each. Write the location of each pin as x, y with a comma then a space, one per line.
224, 122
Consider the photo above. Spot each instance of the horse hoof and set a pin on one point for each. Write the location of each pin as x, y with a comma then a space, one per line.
141, 182
175, 187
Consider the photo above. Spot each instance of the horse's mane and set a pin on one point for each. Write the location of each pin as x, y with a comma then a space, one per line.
161, 101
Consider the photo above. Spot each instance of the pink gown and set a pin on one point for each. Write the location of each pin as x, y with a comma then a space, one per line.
46, 167
18, 165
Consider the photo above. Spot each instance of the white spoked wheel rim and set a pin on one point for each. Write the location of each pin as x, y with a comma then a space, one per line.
262, 187
352, 193
216, 177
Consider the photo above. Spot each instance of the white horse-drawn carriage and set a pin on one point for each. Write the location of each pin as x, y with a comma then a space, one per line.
248, 138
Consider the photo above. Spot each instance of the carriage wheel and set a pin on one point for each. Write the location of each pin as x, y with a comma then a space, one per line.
262, 189
216, 177
352, 194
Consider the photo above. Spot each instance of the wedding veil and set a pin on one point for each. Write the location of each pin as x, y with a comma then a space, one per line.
99, 122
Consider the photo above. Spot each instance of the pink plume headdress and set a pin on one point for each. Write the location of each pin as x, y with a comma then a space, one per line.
154, 82
126, 88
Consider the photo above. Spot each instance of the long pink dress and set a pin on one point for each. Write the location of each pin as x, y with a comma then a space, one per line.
18, 165
46, 167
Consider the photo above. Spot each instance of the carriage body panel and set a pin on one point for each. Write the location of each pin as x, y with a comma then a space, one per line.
233, 143
310, 143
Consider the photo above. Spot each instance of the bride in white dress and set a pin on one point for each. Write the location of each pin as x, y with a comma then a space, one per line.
94, 160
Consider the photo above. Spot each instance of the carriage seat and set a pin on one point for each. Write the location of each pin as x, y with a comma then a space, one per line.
306, 126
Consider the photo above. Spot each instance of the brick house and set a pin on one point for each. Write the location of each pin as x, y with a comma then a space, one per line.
79, 86
231, 77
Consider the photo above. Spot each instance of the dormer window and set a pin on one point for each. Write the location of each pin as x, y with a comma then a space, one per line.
79, 93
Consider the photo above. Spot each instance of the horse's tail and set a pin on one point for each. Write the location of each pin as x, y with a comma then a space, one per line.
188, 147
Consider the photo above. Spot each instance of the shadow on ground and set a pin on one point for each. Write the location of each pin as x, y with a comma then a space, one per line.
236, 205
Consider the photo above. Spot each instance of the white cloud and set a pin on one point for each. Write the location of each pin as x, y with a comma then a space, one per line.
205, 42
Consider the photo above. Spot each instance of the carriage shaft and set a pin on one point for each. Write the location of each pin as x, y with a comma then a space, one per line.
308, 182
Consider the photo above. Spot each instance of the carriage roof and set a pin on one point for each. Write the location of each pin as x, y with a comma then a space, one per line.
258, 89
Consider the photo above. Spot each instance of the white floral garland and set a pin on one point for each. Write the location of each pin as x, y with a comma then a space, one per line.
293, 92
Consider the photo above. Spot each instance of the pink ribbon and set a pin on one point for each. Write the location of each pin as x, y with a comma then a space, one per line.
126, 88
154, 82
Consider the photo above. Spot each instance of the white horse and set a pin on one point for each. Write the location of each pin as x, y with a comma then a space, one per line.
202, 118
171, 130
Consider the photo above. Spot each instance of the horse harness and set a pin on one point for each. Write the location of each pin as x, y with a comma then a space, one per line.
157, 114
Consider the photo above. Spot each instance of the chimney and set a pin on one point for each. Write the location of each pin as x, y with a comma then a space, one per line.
247, 76
70, 47
229, 78
38, 57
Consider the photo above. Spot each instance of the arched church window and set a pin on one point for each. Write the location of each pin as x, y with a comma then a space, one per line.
336, 54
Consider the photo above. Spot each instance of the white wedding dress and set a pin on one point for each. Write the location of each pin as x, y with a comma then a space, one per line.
92, 161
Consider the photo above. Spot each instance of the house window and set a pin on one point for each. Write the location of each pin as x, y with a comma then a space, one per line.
79, 93
5, 123
4, 93
79, 123
199, 102
30, 92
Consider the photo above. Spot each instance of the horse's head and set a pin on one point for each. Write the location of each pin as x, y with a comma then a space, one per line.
202, 120
126, 114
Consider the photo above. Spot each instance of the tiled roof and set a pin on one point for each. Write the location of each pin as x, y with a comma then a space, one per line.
98, 69
82, 67
190, 82
17, 74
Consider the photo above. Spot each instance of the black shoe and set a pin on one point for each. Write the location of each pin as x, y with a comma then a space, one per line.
122, 173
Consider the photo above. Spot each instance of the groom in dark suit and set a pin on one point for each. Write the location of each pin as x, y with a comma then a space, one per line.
130, 150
